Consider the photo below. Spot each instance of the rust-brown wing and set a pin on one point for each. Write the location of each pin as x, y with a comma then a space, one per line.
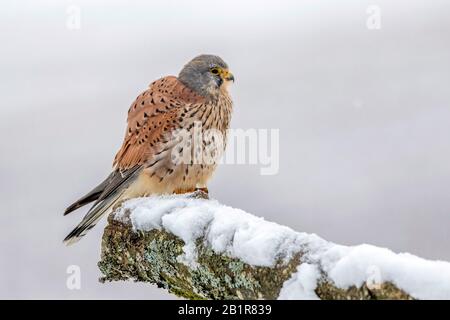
151, 117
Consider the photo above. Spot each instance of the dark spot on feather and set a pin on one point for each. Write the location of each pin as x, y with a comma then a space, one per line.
155, 162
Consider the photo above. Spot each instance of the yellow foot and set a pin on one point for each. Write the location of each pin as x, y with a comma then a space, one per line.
182, 191
201, 193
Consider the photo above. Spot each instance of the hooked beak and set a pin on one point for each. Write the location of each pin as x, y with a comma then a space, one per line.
230, 77
227, 75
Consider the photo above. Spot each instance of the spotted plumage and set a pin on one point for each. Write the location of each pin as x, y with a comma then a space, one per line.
144, 165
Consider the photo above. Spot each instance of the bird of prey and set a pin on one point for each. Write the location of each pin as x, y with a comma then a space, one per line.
144, 164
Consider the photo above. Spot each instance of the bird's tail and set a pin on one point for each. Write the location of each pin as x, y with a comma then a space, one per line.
111, 195
91, 219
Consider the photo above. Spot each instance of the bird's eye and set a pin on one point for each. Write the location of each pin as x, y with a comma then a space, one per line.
214, 70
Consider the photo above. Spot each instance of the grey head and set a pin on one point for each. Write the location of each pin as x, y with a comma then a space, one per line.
206, 74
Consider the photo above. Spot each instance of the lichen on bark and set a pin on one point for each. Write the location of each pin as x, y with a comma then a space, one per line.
154, 257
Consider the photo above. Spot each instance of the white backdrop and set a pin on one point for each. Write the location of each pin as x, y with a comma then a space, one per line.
363, 117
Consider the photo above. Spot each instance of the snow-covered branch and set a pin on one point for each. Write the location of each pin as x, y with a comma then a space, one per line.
200, 249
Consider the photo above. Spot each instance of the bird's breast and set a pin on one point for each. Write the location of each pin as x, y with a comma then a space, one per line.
191, 152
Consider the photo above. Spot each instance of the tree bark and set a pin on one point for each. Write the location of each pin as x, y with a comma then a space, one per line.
151, 256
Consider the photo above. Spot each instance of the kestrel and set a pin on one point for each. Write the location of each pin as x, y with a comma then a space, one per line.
144, 165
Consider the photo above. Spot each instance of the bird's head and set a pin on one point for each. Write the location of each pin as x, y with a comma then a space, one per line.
206, 75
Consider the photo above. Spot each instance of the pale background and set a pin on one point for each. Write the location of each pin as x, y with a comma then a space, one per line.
364, 121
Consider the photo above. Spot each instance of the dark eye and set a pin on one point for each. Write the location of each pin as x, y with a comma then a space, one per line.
214, 70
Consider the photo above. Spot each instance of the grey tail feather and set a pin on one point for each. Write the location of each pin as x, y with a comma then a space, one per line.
83, 201
112, 192
91, 196
91, 219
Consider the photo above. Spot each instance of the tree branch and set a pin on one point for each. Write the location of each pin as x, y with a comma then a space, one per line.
200, 249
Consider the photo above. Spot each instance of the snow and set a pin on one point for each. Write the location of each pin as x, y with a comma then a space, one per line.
422, 279
302, 284
258, 242
225, 229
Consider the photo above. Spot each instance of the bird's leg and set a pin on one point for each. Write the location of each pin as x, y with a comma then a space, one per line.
183, 191
201, 193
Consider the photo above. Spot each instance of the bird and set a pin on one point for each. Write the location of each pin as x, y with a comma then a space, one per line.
144, 165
